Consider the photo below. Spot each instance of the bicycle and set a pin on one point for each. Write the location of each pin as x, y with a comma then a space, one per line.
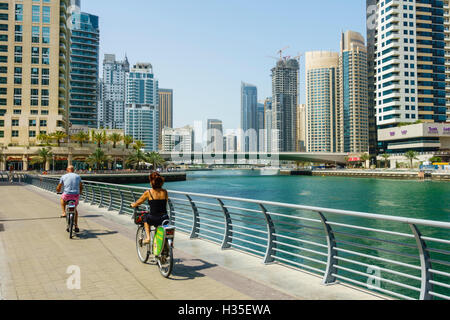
71, 208
161, 243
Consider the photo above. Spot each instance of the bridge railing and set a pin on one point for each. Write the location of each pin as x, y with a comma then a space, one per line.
395, 256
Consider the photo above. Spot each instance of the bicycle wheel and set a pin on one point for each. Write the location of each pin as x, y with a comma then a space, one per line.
71, 221
165, 261
143, 250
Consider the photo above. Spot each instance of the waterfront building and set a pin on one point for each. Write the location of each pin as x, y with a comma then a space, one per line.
260, 126
352, 118
321, 100
301, 128
34, 70
249, 125
230, 142
409, 64
268, 131
113, 92
142, 86
142, 123
165, 108
84, 74
214, 141
284, 103
178, 139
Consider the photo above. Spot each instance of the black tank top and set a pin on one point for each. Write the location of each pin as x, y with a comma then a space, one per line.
157, 207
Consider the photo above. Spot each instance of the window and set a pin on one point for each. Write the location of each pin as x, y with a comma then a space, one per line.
43, 123
45, 35
15, 122
34, 76
15, 133
46, 14
18, 35
19, 12
2, 134
36, 14
2, 123
18, 54
35, 34
34, 55
45, 77
44, 97
34, 97
45, 55
32, 134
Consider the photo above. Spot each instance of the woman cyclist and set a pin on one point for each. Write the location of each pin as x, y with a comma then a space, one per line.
157, 198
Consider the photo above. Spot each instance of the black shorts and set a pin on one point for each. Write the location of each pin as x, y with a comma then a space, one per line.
155, 220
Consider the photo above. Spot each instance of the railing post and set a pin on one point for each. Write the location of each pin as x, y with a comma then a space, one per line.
425, 265
110, 200
93, 195
271, 245
195, 222
101, 198
121, 201
226, 242
171, 212
331, 260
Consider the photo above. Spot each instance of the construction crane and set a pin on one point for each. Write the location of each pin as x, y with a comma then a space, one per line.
298, 57
280, 52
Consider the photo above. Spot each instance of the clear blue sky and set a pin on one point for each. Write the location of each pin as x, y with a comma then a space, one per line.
203, 49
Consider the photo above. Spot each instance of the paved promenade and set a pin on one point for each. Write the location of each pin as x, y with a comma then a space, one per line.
36, 253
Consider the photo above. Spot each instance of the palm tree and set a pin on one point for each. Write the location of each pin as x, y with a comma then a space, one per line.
58, 136
386, 157
97, 159
44, 138
99, 138
114, 138
127, 140
138, 145
411, 155
155, 159
435, 160
44, 155
364, 158
136, 158
81, 137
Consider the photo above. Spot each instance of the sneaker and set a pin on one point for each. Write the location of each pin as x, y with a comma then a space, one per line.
76, 230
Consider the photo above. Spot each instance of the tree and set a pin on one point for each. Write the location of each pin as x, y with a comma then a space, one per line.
138, 145
435, 160
44, 155
44, 138
386, 157
364, 158
99, 138
136, 158
411, 155
58, 136
127, 140
155, 159
115, 138
81, 137
97, 159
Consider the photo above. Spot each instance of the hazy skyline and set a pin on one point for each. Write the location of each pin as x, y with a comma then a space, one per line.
203, 49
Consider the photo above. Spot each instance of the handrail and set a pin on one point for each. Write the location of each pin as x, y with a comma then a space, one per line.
399, 256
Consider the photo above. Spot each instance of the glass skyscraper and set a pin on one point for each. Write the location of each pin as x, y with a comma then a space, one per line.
84, 69
142, 123
249, 125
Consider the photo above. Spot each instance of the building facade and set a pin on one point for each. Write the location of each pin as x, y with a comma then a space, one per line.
142, 123
301, 128
142, 86
249, 117
284, 103
268, 131
410, 63
352, 118
113, 92
214, 142
34, 70
178, 139
321, 100
165, 108
84, 74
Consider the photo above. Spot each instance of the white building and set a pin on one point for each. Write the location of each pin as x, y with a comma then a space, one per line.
178, 139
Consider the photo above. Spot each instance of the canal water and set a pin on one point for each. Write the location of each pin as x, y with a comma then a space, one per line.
412, 199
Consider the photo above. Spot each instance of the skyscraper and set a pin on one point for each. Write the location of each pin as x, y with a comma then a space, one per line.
352, 119
34, 70
268, 115
165, 110
301, 128
84, 69
178, 139
409, 65
112, 113
142, 123
284, 103
249, 102
142, 86
321, 100
260, 126
214, 135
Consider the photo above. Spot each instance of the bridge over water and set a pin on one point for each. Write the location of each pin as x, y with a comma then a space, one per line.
232, 157
226, 249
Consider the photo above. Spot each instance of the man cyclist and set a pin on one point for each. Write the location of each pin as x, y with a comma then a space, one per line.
73, 187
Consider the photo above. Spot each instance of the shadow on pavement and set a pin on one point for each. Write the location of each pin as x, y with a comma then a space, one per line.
189, 269
93, 234
29, 219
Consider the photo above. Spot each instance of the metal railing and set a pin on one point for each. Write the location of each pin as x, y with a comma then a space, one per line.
396, 256
12, 177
